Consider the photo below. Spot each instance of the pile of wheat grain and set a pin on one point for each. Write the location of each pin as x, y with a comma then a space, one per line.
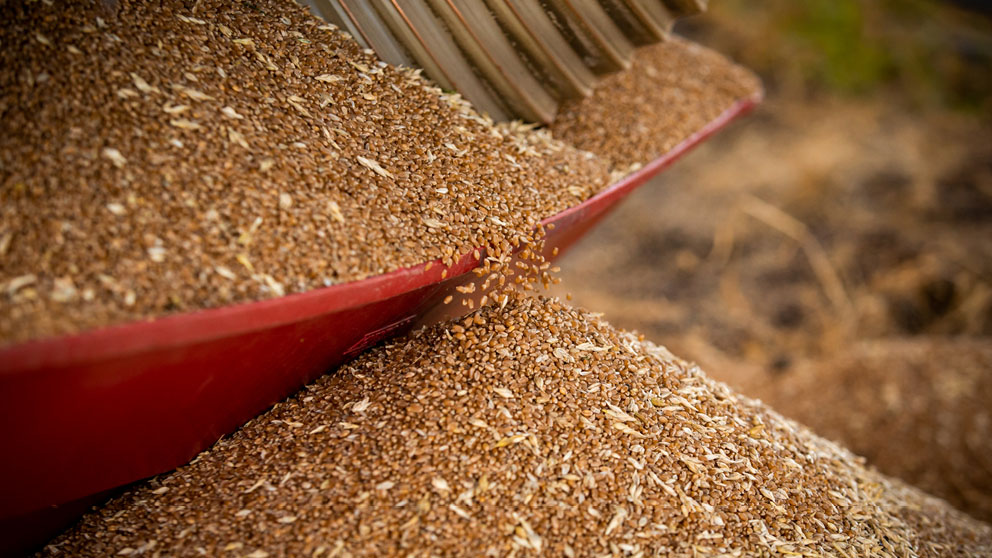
533, 430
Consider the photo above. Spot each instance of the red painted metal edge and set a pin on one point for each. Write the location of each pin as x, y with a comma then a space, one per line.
237, 319
85, 413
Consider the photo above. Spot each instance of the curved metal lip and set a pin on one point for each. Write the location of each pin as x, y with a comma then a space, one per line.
545, 38
446, 57
376, 35
226, 321
603, 31
652, 16
504, 70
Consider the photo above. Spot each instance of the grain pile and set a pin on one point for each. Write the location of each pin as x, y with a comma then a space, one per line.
153, 161
536, 430
672, 90
917, 409
163, 157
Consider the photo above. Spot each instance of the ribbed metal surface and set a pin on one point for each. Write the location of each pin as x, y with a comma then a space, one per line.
510, 58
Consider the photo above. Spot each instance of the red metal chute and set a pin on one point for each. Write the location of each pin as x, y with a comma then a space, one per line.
86, 413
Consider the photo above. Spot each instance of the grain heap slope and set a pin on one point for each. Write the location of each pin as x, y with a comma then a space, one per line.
153, 159
159, 157
538, 429
916, 408
672, 90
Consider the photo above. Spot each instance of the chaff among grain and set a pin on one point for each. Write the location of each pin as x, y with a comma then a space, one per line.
177, 117
437, 465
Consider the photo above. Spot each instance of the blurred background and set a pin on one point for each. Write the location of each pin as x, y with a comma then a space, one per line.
832, 253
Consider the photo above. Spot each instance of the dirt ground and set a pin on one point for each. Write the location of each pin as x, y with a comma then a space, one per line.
830, 255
